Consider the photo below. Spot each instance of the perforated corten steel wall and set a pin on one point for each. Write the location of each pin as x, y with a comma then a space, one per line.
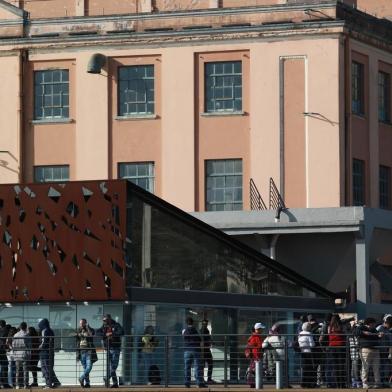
63, 241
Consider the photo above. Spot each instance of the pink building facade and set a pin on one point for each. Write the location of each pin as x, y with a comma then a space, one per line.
203, 102
219, 96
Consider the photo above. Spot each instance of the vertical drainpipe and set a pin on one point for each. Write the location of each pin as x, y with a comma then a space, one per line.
273, 242
347, 127
22, 56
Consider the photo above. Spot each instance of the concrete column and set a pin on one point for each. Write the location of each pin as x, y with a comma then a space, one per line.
214, 4
145, 6
374, 159
362, 252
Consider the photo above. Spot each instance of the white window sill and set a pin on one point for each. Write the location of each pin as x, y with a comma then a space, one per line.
137, 117
53, 121
219, 114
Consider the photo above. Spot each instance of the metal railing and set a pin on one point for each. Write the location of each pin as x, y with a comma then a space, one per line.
275, 199
226, 360
256, 201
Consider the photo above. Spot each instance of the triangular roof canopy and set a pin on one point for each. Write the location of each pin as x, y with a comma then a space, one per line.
186, 253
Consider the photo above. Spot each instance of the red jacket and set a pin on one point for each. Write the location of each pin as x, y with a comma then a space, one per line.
336, 338
254, 343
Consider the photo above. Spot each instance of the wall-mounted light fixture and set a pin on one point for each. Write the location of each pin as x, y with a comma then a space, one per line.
96, 63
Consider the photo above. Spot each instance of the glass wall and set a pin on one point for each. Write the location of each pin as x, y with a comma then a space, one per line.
170, 253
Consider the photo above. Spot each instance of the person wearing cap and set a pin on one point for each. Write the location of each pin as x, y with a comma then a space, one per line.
253, 352
385, 347
111, 333
206, 355
274, 344
255, 342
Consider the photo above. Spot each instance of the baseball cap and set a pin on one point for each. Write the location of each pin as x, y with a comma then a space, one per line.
259, 326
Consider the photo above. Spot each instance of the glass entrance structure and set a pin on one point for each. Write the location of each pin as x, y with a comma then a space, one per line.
83, 249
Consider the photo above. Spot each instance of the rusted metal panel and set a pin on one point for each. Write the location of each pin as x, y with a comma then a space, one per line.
63, 241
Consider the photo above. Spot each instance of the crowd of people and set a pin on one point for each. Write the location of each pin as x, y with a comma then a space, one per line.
22, 348
336, 353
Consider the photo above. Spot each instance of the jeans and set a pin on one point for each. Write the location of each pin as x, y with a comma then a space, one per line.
3, 369
85, 360
114, 358
189, 357
147, 359
11, 373
22, 373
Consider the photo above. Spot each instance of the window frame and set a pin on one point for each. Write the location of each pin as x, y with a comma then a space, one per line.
210, 84
150, 177
359, 189
358, 88
67, 167
384, 187
146, 102
384, 97
64, 94
211, 203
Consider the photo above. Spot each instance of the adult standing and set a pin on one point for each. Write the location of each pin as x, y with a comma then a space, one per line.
111, 332
3, 355
192, 350
148, 345
369, 351
34, 357
46, 354
385, 347
254, 353
85, 345
21, 346
206, 354
337, 352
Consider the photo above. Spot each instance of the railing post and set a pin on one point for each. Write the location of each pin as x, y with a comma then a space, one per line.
167, 370
279, 374
286, 364
107, 378
348, 372
259, 374
225, 381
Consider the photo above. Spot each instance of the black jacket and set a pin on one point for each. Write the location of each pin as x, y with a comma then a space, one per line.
192, 338
47, 336
367, 341
117, 331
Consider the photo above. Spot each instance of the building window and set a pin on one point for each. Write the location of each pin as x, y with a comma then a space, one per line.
357, 87
385, 186
51, 94
223, 86
51, 173
358, 182
384, 95
141, 174
136, 90
224, 185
